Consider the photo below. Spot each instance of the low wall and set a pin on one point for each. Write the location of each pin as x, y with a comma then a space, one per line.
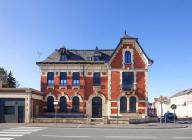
61, 120
143, 120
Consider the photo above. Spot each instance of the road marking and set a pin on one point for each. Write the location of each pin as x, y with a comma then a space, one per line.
6, 132
10, 135
182, 137
31, 127
23, 130
130, 137
6, 138
61, 136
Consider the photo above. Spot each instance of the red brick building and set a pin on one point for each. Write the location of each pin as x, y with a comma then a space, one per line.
97, 83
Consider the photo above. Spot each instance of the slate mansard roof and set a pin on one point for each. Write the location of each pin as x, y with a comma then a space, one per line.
85, 56
78, 56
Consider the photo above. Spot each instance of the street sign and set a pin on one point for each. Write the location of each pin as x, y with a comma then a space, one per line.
173, 106
55, 103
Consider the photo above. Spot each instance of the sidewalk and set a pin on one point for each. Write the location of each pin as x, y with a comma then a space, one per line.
111, 126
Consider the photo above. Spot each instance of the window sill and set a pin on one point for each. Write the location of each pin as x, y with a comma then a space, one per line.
75, 86
96, 85
50, 86
62, 86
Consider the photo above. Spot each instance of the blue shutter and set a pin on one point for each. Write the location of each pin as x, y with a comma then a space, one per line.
50, 76
63, 78
63, 75
76, 78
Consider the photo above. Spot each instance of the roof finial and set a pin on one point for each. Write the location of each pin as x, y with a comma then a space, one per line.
125, 32
96, 48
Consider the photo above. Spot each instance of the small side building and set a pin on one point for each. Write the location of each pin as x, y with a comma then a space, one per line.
161, 105
183, 101
19, 105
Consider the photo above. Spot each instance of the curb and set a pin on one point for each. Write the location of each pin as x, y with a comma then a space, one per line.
99, 126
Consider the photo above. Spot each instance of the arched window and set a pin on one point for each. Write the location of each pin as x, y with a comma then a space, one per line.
132, 104
63, 104
123, 104
127, 57
75, 107
50, 105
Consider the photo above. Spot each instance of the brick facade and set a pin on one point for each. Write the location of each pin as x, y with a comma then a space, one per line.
110, 89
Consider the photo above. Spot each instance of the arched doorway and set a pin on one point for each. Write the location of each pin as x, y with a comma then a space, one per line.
132, 104
96, 107
75, 107
63, 104
123, 104
50, 105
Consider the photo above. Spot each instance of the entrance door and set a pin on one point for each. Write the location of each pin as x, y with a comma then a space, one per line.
96, 107
132, 105
21, 114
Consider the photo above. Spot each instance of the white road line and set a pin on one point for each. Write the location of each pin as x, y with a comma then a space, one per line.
10, 135
61, 136
23, 130
182, 137
30, 128
6, 138
130, 137
26, 129
7, 132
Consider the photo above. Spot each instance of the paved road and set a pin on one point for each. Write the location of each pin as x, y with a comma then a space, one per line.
50, 133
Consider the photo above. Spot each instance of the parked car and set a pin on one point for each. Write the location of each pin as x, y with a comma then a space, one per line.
169, 117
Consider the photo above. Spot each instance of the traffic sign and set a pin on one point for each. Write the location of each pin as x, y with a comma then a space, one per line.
173, 106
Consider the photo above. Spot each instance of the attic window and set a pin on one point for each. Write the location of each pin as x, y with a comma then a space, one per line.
63, 57
127, 57
63, 54
89, 58
96, 58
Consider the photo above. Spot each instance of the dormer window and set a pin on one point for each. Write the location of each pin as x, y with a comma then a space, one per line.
96, 58
63, 54
127, 57
97, 54
63, 57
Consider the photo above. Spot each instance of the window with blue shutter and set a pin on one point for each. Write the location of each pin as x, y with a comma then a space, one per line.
96, 79
50, 78
127, 57
127, 80
63, 78
76, 79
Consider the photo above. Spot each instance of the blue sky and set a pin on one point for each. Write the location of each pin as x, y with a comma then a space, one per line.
164, 29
